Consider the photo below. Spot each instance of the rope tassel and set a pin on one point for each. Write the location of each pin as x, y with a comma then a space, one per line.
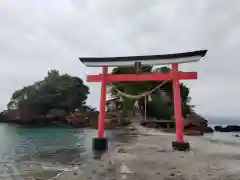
149, 98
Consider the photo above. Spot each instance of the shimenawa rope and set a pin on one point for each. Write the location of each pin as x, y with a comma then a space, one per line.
139, 96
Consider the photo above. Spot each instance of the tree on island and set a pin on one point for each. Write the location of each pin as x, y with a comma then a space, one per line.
158, 107
55, 91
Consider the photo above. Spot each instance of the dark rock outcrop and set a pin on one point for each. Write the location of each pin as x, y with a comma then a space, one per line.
208, 130
193, 124
53, 117
77, 120
195, 120
23, 116
29, 117
56, 115
229, 128
217, 128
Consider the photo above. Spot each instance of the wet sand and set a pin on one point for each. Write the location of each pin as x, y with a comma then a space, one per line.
149, 155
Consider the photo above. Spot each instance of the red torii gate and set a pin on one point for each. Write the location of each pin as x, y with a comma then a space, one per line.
100, 143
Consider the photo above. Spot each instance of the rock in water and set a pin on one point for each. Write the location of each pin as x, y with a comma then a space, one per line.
217, 128
208, 130
233, 128
229, 128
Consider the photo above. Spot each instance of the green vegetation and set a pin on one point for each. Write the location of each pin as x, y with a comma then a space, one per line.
58, 95
159, 107
55, 91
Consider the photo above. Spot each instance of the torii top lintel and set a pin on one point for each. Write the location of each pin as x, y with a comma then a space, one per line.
145, 60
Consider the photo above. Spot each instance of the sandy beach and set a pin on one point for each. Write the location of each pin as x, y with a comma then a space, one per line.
149, 155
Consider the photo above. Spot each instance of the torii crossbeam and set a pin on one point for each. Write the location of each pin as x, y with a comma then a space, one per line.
100, 143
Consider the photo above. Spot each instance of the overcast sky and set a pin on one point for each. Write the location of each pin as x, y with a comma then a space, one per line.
36, 36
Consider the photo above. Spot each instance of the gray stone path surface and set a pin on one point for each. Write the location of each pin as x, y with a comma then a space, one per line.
150, 157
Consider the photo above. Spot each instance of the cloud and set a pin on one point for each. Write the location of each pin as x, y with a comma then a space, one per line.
39, 35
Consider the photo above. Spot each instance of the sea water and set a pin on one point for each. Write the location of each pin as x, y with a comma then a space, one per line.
224, 137
42, 152
45, 152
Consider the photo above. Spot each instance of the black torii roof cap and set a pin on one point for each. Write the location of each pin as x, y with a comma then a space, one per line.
165, 58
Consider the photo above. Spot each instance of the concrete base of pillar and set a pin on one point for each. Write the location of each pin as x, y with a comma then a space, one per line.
100, 144
181, 146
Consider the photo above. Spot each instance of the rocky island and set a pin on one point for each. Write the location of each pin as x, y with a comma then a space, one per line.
60, 99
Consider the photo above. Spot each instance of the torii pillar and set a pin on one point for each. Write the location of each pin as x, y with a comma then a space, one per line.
179, 144
100, 143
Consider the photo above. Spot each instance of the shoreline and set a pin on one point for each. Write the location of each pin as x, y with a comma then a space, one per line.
137, 152
150, 156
